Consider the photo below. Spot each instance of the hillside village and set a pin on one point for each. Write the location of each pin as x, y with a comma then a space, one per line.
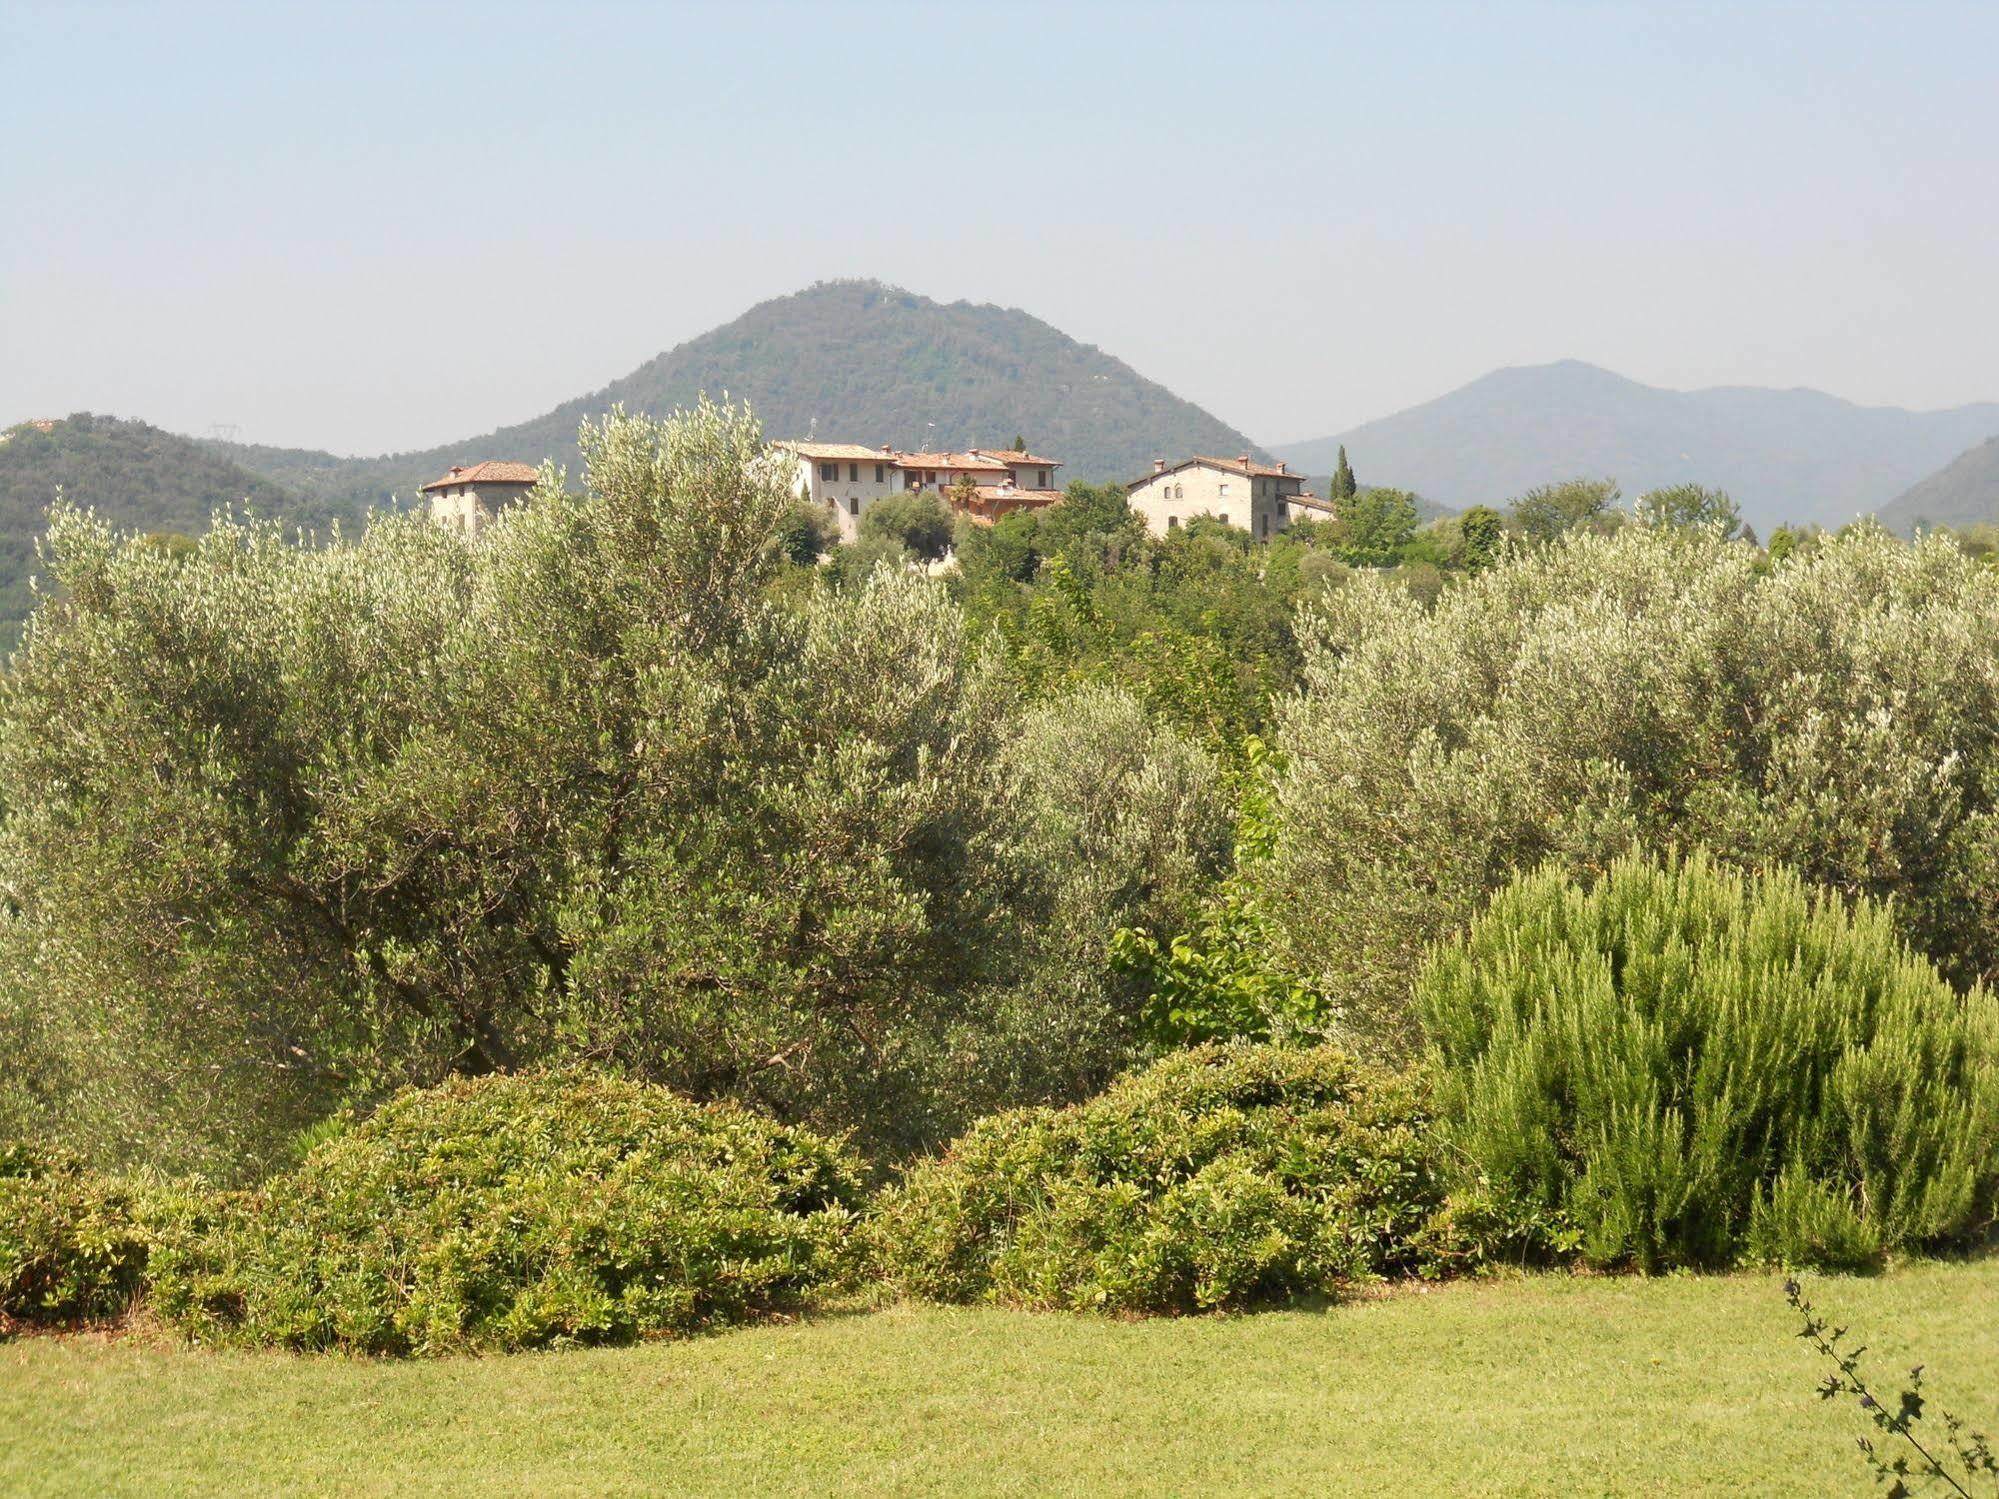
845, 479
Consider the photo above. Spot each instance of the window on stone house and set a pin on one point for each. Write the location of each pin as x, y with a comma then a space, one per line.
881, 473
853, 473
853, 504
1223, 489
1044, 480
829, 470
1172, 521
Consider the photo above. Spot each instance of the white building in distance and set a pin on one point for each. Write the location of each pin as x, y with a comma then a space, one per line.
1259, 498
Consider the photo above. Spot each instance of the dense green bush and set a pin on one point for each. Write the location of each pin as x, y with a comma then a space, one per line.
1838, 713
71, 1246
1686, 1066
515, 1212
1224, 1176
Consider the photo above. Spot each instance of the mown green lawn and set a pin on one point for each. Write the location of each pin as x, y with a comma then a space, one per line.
1542, 1385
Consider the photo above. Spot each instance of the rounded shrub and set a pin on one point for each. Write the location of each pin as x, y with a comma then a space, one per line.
71, 1247
1224, 1176
512, 1212
1686, 1066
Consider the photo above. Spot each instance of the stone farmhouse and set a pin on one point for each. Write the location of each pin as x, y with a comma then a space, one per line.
982, 484
1260, 498
467, 499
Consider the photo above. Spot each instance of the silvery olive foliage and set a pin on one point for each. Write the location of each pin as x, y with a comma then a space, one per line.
1125, 826
285, 825
1837, 712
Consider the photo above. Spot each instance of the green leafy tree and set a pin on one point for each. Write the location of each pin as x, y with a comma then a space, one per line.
1196, 625
920, 522
1541, 515
1225, 977
1483, 534
1691, 507
1379, 523
806, 532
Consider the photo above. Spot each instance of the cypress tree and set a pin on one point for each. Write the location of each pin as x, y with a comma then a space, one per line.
1343, 486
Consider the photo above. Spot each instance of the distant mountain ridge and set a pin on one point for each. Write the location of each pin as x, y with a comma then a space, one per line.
844, 360
1965, 492
1784, 455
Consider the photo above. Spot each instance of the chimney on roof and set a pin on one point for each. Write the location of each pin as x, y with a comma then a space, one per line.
886, 449
1280, 465
1159, 465
1244, 460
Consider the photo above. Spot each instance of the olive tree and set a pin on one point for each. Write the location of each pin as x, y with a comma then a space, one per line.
1657, 687
284, 825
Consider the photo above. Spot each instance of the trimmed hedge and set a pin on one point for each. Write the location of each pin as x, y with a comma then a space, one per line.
513, 1212
71, 1248
1222, 1177
1685, 1066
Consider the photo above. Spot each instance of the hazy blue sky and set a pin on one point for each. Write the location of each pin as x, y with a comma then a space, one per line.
366, 228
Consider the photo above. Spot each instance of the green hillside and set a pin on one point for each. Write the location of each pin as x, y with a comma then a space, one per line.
1785, 455
139, 477
846, 360
1964, 492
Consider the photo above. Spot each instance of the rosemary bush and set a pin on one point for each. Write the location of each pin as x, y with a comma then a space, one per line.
1681, 1065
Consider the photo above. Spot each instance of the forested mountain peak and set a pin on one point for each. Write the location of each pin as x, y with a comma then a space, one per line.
848, 360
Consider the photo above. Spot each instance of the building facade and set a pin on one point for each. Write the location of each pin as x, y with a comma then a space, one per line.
846, 479
1256, 497
467, 498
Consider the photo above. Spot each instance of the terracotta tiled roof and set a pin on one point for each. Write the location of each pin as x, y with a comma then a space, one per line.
1245, 466
1018, 458
846, 452
969, 462
491, 471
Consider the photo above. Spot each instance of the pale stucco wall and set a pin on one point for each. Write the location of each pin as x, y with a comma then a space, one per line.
1234, 498
846, 497
469, 511
1032, 475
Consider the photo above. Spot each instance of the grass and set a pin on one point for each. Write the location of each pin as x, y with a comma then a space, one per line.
1523, 1386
